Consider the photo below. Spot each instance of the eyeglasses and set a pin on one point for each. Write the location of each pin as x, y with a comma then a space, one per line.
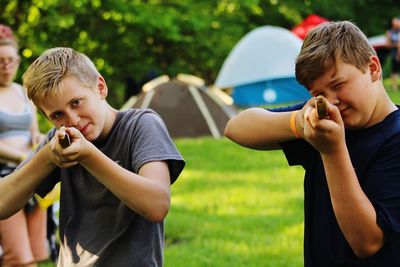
5, 61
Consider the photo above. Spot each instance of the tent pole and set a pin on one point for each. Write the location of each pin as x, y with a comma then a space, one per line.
204, 111
147, 99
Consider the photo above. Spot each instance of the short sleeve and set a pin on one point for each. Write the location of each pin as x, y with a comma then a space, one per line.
382, 186
151, 142
296, 152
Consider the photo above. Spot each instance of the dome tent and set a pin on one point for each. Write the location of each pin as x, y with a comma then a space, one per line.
260, 68
186, 106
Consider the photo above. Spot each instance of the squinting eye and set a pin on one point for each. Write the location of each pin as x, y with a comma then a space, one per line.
338, 85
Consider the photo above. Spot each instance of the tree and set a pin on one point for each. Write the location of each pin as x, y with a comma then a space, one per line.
129, 40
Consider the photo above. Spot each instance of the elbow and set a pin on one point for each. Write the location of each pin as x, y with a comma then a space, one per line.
158, 213
157, 210
367, 249
234, 132
364, 253
228, 130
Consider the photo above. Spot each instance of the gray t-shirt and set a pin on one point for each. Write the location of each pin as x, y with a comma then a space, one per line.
96, 228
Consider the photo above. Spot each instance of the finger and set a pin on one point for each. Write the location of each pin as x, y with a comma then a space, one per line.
74, 133
321, 107
313, 117
61, 131
65, 141
306, 121
52, 144
307, 112
334, 113
309, 115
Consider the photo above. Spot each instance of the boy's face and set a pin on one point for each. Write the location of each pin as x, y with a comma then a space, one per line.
80, 107
354, 93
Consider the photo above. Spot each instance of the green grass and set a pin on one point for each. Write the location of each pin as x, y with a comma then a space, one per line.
234, 207
47, 264
395, 96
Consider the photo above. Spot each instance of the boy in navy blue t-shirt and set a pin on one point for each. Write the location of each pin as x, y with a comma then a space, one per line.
351, 156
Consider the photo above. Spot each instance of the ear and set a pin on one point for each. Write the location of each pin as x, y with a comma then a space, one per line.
102, 87
375, 69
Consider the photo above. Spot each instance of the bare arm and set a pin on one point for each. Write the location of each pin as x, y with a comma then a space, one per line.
258, 128
354, 211
18, 187
147, 193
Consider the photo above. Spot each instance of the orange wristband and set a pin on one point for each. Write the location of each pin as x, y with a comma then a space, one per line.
292, 123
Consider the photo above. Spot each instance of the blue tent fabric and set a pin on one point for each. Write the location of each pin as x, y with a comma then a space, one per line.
276, 91
261, 68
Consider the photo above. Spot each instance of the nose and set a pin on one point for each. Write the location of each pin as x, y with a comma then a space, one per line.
333, 99
6, 66
72, 119
8, 63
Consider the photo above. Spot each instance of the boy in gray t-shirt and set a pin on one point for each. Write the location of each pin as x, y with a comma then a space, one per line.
115, 174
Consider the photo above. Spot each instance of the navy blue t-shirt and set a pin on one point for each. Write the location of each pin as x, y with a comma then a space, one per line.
375, 155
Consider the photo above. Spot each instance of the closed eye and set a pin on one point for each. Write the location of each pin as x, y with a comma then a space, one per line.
338, 85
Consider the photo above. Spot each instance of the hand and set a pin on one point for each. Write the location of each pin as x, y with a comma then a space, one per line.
71, 155
326, 134
63, 138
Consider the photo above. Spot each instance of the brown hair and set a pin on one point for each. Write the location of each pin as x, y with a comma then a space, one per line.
44, 75
328, 43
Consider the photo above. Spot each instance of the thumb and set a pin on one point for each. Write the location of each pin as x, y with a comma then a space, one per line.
61, 132
73, 132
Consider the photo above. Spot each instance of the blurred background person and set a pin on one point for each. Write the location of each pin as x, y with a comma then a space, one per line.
393, 43
22, 236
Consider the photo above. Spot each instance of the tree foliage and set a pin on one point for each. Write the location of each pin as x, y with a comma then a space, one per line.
130, 39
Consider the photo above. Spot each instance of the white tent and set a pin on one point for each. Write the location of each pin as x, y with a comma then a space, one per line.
263, 62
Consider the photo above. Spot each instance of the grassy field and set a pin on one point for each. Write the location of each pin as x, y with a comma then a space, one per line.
234, 207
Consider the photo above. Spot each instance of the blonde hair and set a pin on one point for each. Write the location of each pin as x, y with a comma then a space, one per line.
44, 75
328, 43
7, 37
